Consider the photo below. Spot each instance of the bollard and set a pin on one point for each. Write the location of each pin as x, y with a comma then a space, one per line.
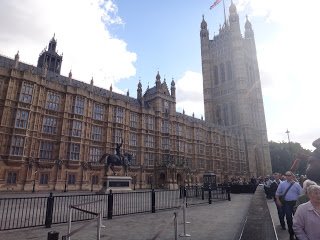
210, 201
153, 201
110, 204
53, 235
49, 211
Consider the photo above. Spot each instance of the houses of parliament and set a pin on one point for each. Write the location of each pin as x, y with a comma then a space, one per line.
54, 129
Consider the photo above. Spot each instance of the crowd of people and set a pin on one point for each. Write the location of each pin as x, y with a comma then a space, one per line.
297, 198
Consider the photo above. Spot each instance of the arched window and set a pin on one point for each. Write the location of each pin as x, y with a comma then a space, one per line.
14, 175
9, 178
222, 73
218, 115
41, 178
216, 75
233, 114
226, 115
229, 71
248, 74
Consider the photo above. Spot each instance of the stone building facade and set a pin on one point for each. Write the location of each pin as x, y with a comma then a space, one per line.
55, 129
232, 88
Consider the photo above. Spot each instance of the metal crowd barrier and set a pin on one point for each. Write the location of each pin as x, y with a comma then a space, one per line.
44, 211
98, 218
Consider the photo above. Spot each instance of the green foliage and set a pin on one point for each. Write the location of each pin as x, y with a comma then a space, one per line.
281, 159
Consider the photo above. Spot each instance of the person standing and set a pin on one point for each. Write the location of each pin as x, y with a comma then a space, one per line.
303, 198
273, 188
306, 221
294, 190
267, 184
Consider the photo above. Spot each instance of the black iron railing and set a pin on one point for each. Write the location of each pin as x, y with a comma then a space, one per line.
44, 211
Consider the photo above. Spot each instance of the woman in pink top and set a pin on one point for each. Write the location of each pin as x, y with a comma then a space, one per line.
306, 221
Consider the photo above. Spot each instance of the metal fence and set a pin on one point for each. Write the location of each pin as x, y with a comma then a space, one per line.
39, 211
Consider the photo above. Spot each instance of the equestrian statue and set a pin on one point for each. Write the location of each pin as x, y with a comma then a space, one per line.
116, 160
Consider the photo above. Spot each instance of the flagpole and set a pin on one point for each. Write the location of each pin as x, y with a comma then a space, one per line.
225, 19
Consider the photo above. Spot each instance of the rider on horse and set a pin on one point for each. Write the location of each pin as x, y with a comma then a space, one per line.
119, 153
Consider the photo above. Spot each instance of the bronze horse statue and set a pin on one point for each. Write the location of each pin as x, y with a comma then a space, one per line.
114, 160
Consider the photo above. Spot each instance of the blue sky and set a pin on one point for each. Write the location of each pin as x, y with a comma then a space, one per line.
119, 42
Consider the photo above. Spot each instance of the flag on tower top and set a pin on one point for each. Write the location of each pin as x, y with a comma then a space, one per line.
215, 4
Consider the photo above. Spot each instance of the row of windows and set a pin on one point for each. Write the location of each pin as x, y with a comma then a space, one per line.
50, 123
222, 74
226, 119
44, 178
46, 149
12, 178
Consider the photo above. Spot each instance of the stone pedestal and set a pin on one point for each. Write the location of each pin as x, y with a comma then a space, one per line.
116, 184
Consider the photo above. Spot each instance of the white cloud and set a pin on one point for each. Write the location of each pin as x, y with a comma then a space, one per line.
190, 94
80, 28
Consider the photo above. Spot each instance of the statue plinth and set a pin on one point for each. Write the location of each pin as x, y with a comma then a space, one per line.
116, 184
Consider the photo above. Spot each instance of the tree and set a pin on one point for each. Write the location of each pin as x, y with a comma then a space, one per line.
281, 158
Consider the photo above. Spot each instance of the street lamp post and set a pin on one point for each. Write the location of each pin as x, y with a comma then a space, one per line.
92, 182
151, 180
287, 132
34, 181
65, 182
134, 182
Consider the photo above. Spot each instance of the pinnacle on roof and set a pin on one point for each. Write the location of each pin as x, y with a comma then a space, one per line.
173, 83
248, 24
232, 8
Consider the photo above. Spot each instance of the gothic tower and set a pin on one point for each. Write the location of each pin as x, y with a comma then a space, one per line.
50, 57
232, 88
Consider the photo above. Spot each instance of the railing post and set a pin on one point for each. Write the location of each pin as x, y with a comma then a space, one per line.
49, 211
153, 201
69, 222
228, 192
184, 234
210, 201
175, 225
110, 204
99, 227
202, 192
196, 189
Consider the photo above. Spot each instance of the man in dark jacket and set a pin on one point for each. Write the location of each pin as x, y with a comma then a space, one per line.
273, 188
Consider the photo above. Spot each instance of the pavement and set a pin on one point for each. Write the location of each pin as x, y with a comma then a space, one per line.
221, 220
282, 234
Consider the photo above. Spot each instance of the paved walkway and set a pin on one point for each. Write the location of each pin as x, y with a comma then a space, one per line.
282, 234
221, 220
